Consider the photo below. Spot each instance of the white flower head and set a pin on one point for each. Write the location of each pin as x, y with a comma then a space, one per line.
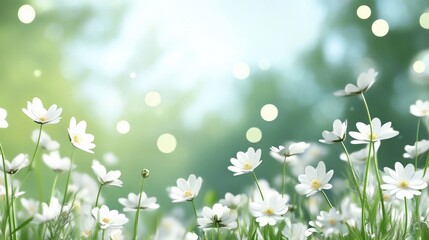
78, 136
110, 178
232, 201
217, 217
108, 218
186, 190
364, 82
45, 140
379, 132
403, 182
416, 149
269, 211
131, 204
49, 212
330, 223
3, 115
55, 162
19, 162
294, 148
338, 133
420, 108
30, 206
314, 180
40, 115
245, 162
295, 231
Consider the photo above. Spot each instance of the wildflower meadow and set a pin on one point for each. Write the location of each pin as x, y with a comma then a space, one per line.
376, 203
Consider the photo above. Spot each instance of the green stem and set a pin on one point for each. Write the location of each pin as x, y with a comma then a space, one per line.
283, 176
195, 210
6, 185
417, 140
352, 169
98, 195
406, 218
426, 165
12, 202
53, 186
257, 184
102, 234
380, 191
68, 180
136, 220
218, 233
32, 164
327, 199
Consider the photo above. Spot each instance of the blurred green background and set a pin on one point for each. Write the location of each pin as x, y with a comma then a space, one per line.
202, 71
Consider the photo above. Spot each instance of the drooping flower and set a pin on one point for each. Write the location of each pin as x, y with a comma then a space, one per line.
40, 115
48, 212
45, 140
416, 149
338, 133
217, 217
379, 132
186, 190
110, 178
420, 108
269, 211
314, 180
55, 162
330, 223
19, 162
131, 203
108, 218
364, 82
403, 182
292, 149
78, 136
3, 115
245, 162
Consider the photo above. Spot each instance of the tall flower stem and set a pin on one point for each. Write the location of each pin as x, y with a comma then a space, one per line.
283, 176
32, 164
12, 206
68, 180
98, 195
195, 210
327, 199
257, 184
218, 233
136, 220
417, 142
406, 218
352, 169
6, 185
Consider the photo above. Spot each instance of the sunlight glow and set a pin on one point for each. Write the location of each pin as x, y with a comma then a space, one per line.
269, 112
133, 75
241, 71
254, 135
123, 127
152, 99
166, 143
37, 73
419, 66
26, 14
363, 12
380, 28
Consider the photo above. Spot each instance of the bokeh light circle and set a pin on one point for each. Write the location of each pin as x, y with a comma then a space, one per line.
26, 14
269, 112
424, 20
123, 127
363, 12
152, 99
380, 27
241, 71
166, 143
254, 135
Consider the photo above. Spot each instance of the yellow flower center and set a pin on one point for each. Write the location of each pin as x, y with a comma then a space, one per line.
76, 138
105, 220
403, 184
316, 184
268, 211
247, 166
188, 193
331, 221
43, 118
386, 197
373, 137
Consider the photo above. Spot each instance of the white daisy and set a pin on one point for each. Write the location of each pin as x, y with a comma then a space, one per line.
416, 149
3, 115
314, 180
40, 115
186, 190
110, 178
78, 137
232, 201
338, 133
403, 182
364, 82
330, 223
132, 202
420, 108
245, 162
217, 217
19, 162
55, 162
379, 132
108, 218
269, 211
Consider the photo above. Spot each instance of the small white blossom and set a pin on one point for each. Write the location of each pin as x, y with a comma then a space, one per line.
420, 108
403, 182
132, 202
30, 207
108, 218
338, 133
416, 149
3, 115
232, 201
245, 162
55, 162
330, 223
117, 234
40, 115
217, 217
295, 231
110, 178
364, 82
78, 136
292, 149
314, 180
191, 236
48, 212
45, 140
379, 132
270, 210
19, 162
186, 190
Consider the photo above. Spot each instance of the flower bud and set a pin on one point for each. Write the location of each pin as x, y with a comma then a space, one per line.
145, 173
